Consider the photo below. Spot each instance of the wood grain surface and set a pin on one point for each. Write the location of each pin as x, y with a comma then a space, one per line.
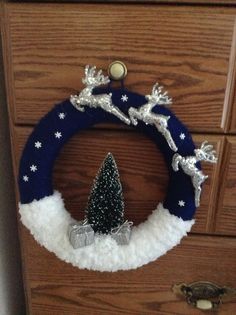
233, 119
184, 2
189, 49
229, 116
226, 214
186, 49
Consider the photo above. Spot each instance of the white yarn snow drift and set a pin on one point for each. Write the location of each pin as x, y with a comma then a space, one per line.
48, 220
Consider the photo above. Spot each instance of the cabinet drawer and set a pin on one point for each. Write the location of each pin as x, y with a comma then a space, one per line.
142, 169
226, 215
186, 49
58, 288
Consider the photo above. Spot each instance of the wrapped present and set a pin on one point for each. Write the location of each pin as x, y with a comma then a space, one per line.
80, 234
122, 233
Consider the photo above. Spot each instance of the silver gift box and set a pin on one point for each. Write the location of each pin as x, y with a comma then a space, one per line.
80, 234
122, 233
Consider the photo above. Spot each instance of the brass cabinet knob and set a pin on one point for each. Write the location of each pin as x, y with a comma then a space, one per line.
117, 70
204, 295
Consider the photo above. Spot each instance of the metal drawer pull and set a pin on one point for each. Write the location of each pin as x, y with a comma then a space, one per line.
204, 295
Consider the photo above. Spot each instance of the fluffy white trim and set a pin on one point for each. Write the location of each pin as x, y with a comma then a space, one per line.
48, 220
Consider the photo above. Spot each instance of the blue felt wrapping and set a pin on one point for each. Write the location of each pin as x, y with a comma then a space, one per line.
40, 185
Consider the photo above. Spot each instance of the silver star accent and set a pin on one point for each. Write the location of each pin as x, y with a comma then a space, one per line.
124, 98
25, 178
181, 203
38, 144
182, 136
58, 134
33, 168
61, 115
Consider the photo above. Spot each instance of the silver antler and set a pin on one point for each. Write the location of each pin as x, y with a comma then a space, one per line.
206, 153
93, 79
158, 97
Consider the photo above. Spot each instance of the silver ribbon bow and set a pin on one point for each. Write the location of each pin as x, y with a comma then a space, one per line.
77, 227
117, 229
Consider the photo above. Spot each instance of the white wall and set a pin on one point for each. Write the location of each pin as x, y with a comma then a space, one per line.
11, 289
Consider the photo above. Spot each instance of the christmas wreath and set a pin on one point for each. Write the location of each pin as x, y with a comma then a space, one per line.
104, 240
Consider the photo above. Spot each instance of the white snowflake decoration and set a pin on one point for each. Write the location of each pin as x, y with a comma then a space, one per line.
25, 178
181, 203
124, 98
33, 168
62, 115
38, 144
58, 134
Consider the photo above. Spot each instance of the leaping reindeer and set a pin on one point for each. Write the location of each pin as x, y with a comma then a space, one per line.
188, 164
104, 101
145, 114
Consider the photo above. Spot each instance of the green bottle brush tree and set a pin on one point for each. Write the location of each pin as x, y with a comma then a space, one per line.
105, 208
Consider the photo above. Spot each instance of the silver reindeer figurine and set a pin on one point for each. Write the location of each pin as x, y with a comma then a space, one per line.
188, 164
145, 114
104, 101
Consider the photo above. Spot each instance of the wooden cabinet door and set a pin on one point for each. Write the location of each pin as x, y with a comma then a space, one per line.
190, 50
